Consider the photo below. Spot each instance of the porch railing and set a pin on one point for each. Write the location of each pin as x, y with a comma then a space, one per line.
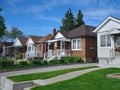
56, 53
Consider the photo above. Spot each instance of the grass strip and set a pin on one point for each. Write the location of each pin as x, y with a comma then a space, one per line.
45, 75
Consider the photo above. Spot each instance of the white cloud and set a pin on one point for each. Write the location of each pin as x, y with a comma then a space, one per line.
13, 2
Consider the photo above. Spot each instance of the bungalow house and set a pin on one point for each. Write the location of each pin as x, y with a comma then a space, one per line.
19, 46
80, 42
33, 47
108, 41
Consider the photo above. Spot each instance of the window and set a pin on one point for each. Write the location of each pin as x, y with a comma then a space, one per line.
118, 41
76, 44
105, 40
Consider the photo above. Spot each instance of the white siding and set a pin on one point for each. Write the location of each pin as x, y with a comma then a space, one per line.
17, 42
105, 51
59, 35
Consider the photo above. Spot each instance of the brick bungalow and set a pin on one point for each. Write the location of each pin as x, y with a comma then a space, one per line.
80, 42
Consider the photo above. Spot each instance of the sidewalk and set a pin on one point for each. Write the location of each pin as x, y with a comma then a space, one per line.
63, 77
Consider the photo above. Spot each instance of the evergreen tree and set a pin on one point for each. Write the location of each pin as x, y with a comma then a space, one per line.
2, 25
68, 23
79, 19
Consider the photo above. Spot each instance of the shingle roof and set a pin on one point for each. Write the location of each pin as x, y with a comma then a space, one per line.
22, 40
45, 38
83, 30
35, 38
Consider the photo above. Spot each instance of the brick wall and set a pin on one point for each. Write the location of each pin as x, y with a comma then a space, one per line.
89, 49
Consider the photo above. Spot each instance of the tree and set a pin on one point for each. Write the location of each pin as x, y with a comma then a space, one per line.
2, 25
79, 19
15, 32
68, 23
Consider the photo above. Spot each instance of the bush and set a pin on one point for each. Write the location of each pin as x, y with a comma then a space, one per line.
23, 63
20, 56
68, 59
44, 62
78, 60
54, 62
6, 63
36, 62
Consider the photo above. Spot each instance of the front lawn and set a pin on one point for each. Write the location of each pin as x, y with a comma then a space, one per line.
95, 80
45, 75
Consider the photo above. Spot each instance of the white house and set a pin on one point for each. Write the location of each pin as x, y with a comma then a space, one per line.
108, 42
19, 46
33, 49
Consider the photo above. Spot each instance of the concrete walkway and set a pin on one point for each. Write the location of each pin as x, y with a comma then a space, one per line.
64, 77
45, 69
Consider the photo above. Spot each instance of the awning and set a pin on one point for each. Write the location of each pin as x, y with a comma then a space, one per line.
61, 39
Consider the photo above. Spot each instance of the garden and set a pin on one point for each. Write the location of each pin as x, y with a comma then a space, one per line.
8, 64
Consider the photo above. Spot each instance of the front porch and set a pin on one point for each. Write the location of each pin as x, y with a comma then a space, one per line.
58, 48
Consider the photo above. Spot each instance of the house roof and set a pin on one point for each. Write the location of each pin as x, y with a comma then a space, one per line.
22, 40
35, 38
83, 30
105, 21
6, 44
45, 38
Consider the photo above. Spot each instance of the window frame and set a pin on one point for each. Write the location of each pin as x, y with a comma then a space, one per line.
106, 41
77, 46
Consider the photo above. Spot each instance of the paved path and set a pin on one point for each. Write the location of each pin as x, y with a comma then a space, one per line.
45, 69
64, 77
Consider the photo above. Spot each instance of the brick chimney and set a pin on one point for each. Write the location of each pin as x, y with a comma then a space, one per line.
54, 32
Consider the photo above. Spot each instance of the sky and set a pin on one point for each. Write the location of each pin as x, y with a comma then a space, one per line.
39, 17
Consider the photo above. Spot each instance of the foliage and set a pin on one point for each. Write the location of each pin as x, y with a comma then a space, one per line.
23, 62
45, 75
95, 80
19, 55
44, 62
69, 22
79, 19
4, 63
2, 25
15, 32
36, 62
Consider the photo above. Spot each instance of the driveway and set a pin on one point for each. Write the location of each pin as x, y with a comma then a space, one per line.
45, 69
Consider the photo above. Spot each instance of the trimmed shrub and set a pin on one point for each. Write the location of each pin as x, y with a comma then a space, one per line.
6, 63
44, 62
78, 60
54, 62
23, 63
36, 62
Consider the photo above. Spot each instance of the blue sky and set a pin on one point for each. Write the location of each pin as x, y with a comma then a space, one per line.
39, 17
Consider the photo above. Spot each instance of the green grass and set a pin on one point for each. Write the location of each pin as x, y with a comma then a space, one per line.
45, 75
95, 80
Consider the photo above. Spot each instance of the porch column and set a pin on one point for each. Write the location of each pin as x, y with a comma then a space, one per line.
61, 48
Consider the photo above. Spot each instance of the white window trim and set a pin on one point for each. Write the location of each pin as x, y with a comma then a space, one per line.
105, 41
76, 44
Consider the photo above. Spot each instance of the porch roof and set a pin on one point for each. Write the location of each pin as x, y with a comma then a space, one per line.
114, 31
61, 39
